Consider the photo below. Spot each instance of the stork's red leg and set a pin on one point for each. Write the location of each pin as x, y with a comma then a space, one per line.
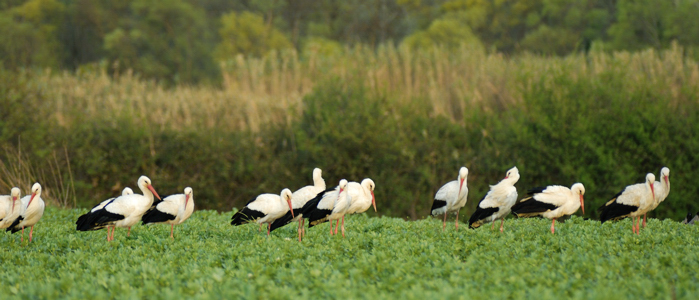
502, 223
172, 230
553, 229
444, 223
30, 233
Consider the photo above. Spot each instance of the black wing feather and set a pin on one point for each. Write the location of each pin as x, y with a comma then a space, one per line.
437, 204
246, 215
156, 216
14, 228
530, 207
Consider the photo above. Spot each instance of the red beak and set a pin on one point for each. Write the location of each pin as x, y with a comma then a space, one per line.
461, 184
186, 200
30, 199
582, 204
150, 187
652, 191
13, 203
373, 200
288, 200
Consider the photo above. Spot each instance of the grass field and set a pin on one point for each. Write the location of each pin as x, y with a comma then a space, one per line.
380, 257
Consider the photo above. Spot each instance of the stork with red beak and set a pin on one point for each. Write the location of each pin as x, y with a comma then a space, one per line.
264, 209
551, 202
31, 211
173, 210
9, 207
361, 195
451, 197
662, 189
123, 211
632, 201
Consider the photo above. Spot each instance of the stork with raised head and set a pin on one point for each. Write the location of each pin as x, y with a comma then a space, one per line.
451, 197
264, 209
298, 199
662, 189
551, 202
123, 211
631, 202
31, 211
9, 207
329, 206
173, 210
497, 203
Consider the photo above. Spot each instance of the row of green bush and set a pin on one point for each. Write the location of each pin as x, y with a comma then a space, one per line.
565, 130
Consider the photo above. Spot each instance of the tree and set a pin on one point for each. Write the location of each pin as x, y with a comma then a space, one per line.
247, 33
448, 32
163, 39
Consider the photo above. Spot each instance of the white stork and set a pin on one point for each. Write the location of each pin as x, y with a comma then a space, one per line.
497, 202
264, 209
31, 211
9, 208
551, 202
632, 201
662, 189
330, 205
451, 197
123, 211
362, 195
298, 199
124, 192
173, 210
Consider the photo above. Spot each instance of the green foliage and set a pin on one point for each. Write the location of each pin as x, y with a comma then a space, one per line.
28, 34
448, 32
163, 39
246, 33
379, 258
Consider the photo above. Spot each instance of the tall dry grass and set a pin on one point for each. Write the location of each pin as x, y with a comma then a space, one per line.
259, 91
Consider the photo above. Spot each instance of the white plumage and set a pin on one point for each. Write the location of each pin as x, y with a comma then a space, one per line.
342, 204
173, 210
133, 207
662, 190
301, 196
9, 207
31, 211
451, 197
552, 202
122, 211
264, 209
362, 196
497, 202
632, 202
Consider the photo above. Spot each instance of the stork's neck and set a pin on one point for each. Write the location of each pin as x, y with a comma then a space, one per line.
147, 193
319, 182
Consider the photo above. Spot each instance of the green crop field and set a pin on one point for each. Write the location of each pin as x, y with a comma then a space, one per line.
380, 257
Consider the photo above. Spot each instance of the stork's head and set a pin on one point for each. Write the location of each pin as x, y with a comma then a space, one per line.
36, 193
579, 189
650, 178
14, 194
187, 195
145, 183
127, 191
665, 175
286, 197
512, 174
369, 185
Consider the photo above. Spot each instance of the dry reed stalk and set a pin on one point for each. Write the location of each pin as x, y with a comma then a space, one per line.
269, 90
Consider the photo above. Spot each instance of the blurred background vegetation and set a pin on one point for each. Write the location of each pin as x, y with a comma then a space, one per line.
237, 98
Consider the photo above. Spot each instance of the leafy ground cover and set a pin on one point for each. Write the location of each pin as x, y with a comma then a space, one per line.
380, 257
